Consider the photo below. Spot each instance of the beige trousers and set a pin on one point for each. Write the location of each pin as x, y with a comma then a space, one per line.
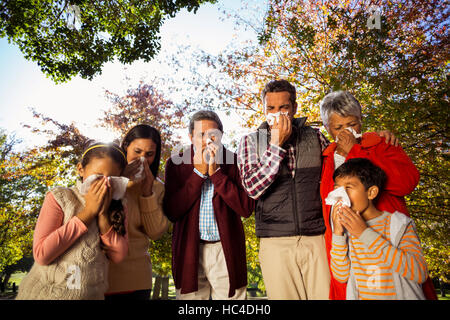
213, 278
295, 268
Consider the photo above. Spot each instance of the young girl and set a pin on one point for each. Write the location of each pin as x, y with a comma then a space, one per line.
75, 235
132, 278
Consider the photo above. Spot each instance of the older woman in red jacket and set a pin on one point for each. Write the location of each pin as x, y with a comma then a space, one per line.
341, 116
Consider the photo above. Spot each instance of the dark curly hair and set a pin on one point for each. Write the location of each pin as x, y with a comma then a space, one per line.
363, 169
116, 214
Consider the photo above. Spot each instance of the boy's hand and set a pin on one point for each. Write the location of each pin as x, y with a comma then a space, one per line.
338, 229
352, 221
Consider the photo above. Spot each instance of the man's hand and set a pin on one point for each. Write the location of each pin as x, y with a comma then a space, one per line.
345, 142
281, 130
389, 137
200, 162
352, 221
212, 165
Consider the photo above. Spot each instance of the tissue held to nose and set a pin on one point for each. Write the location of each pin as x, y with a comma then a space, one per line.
118, 185
336, 195
140, 174
272, 116
355, 134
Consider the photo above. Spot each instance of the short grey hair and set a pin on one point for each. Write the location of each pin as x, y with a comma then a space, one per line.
205, 115
342, 103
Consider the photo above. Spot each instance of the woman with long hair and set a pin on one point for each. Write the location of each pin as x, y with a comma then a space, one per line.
132, 278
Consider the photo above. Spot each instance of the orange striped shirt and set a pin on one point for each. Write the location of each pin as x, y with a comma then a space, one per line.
373, 259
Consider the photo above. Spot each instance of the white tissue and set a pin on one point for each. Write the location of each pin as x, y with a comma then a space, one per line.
271, 117
118, 185
356, 135
140, 175
336, 195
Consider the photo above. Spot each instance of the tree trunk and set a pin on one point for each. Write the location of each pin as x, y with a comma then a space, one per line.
157, 288
4, 282
442, 287
165, 288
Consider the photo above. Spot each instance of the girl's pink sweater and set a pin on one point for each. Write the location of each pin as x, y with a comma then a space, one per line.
52, 237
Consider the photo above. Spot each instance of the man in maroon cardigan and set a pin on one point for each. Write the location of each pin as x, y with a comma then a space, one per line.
205, 200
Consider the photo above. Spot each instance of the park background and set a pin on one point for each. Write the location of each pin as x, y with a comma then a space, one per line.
67, 76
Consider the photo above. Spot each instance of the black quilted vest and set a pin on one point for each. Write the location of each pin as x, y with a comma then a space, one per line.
292, 205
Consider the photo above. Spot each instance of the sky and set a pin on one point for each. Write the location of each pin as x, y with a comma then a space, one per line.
23, 85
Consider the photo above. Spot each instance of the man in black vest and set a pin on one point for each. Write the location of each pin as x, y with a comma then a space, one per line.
280, 166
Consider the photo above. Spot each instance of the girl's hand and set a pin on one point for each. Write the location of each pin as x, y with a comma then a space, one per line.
106, 201
95, 196
338, 229
346, 141
352, 221
147, 183
94, 201
103, 219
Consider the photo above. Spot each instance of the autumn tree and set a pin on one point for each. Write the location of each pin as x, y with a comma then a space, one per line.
144, 104
25, 177
76, 37
392, 55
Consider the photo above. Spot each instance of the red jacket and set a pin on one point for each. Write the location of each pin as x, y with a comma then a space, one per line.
402, 178
181, 205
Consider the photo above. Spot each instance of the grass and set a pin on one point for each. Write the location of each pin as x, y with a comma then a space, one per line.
17, 278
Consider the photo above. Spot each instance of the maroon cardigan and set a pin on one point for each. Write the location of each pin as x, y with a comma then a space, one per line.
181, 205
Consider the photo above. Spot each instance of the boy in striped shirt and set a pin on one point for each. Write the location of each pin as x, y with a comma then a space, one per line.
377, 253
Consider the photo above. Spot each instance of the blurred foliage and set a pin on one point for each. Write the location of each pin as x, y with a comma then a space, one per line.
77, 37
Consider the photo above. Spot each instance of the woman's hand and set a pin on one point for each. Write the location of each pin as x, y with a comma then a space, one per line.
132, 169
389, 137
345, 142
147, 183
